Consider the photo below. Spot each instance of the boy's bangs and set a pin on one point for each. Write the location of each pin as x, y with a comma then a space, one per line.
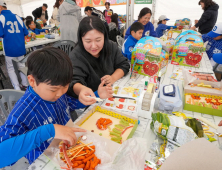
51, 66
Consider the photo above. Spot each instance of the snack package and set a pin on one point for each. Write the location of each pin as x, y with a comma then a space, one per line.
172, 128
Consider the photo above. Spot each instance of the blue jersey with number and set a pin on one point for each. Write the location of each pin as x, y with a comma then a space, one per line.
13, 32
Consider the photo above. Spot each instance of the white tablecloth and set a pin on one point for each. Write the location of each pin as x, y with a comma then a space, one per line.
40, 42
143, 130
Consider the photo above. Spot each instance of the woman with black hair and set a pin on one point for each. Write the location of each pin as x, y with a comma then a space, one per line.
144, 18
95, 59
108, 12
208, 18
114, 27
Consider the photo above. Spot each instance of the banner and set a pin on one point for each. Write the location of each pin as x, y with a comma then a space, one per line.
143, 1
94, 3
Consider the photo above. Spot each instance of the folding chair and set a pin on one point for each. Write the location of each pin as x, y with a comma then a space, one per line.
66, 45
120, 41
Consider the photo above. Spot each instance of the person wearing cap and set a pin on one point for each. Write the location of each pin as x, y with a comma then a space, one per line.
208, 18
13, 32
214, 39
162, 25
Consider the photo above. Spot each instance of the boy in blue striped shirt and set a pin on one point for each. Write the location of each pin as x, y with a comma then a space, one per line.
44, 109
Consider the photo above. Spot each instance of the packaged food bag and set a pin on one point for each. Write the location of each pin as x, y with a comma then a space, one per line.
188, 49
172, 128
148, 57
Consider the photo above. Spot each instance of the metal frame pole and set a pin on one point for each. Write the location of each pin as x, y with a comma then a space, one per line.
132, 12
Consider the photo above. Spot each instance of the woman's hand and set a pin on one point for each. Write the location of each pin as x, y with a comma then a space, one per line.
108, 79
220, 124
67, 133
105, 92
83, 96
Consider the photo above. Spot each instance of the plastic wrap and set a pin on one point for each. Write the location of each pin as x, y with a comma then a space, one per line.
128, 156
102, 149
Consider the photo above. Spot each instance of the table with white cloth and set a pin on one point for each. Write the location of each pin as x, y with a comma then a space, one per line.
143, 130
40, 41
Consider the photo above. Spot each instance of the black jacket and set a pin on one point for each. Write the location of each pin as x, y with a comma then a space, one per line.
208, 19
37, 13
89, 73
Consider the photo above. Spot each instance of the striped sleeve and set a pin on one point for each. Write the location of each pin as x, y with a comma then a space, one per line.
74, 103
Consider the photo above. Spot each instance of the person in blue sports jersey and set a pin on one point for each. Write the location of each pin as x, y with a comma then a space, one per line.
13, 32
162, 26
214, 39
144, 18
44, 103
136, 31
32, 27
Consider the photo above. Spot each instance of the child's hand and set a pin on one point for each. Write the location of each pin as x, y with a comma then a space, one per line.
108, 79
220, 124
105, 91
67, 133
83, 96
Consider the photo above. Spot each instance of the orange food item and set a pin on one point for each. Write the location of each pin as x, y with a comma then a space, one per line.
87, 159
102, 123
80, 158
81, 166
87, 165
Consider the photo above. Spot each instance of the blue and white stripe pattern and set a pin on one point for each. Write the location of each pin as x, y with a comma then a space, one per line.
31, 112
213, 46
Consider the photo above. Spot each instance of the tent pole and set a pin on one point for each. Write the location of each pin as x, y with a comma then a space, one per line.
21, 8
153, 11
127, 14
132, 12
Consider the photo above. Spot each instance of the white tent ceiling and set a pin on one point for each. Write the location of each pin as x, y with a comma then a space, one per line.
174, 9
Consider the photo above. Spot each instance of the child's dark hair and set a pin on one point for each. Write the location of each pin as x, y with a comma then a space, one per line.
207, 3
28, 22
160, 22
45, 5
136, 26
143, 12
88, 8
50, 65
29, 18
114, 18
107, 3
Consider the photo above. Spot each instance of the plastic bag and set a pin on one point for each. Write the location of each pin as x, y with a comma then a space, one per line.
130, 156
102, 149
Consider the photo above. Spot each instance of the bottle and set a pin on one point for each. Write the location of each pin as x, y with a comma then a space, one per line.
170, 34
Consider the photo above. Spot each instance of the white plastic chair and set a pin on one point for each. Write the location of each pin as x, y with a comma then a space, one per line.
8, 98
120, 41
67, 46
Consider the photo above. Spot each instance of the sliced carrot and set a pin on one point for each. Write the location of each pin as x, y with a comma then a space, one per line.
80, 158
87, 165
92, 152
81, 166
87, 159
